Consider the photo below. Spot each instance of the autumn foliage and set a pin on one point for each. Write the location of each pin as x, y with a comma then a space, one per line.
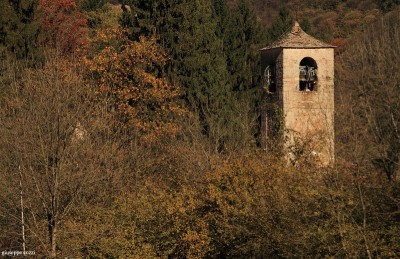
142, 100
101, 159
339, 44
64, 25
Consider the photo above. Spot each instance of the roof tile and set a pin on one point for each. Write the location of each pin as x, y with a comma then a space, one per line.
297, 38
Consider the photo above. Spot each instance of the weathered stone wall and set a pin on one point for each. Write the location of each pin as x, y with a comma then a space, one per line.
310, 114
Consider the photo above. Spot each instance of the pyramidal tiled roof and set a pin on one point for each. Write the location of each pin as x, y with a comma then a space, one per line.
297, 38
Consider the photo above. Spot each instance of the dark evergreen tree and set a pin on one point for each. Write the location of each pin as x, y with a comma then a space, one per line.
200, 66
146, 18
281, 25
221, 11
18, 30
306, 25
139, 17
387, 5
242, 37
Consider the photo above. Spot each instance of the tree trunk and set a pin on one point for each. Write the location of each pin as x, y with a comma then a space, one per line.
52, 235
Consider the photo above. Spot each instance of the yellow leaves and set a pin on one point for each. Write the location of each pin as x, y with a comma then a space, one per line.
198, 240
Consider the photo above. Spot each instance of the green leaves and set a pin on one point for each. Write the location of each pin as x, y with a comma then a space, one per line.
281, 25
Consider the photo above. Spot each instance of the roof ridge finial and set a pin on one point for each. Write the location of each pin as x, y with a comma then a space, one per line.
296, 27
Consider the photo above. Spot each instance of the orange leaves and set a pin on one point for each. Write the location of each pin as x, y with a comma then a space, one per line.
129, 72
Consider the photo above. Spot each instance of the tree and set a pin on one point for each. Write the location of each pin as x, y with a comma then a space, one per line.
387, 5
239, 30
281, 25
18, 28
140, 18
371, 67
142, 101
241, 36
63, 25
367, 102
49, 133
100, 15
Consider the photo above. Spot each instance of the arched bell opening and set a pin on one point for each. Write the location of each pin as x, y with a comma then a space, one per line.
308, 78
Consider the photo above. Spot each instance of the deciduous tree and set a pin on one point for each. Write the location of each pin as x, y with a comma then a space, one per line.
63, 25
142, 100
49, 133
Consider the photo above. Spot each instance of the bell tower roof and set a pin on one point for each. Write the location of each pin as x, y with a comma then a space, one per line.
298, 39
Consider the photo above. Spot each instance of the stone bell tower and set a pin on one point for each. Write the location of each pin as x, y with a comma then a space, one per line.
299, 82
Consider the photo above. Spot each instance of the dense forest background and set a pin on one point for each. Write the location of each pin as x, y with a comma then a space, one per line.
131, 129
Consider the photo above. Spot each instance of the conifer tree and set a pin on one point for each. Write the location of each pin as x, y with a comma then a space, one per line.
200, 67
387, 5
145, 18
18, 29
281, 25
239, 29
242, 37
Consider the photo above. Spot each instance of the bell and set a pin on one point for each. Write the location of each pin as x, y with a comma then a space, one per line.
303, 73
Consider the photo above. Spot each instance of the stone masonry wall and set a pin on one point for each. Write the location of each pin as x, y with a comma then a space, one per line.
310, 115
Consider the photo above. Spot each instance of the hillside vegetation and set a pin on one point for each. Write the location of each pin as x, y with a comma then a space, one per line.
326, 19
132, 131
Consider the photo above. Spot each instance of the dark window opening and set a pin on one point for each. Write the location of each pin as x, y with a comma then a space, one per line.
308, 75
269, 79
